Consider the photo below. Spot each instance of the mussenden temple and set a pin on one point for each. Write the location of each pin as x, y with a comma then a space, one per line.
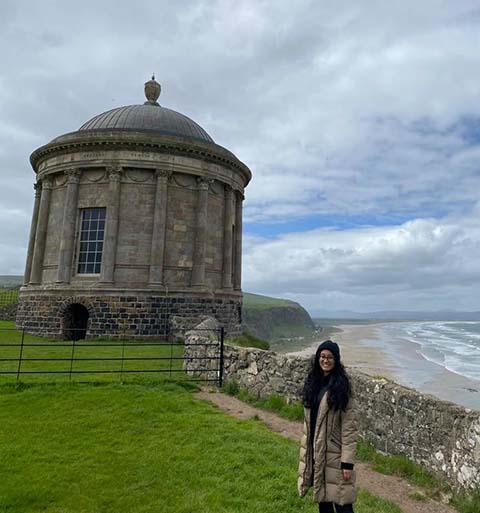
137, 218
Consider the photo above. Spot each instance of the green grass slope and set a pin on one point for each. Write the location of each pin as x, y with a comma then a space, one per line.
258, 302
272, 318
142, 449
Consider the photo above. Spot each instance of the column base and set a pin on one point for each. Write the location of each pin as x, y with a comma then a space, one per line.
157, 284
200, 287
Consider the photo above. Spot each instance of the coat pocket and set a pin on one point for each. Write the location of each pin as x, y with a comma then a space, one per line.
346, 492
335, 440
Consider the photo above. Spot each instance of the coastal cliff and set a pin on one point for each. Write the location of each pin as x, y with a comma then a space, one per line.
271, 318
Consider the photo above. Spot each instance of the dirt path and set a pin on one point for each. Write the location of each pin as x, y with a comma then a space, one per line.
392, 488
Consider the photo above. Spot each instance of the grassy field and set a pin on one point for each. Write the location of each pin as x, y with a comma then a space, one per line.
91, 356
249, 340
8, 296
116, 448
255, 301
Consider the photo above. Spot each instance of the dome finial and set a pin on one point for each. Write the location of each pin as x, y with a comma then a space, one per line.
152, 91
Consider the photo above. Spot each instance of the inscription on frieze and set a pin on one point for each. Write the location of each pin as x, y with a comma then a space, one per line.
93, 155
142, 155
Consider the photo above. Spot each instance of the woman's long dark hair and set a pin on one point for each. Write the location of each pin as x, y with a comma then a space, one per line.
339, 389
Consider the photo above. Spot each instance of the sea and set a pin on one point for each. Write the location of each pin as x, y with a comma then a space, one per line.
453, 345
418, 354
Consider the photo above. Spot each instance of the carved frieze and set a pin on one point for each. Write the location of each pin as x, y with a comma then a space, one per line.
216, 187
138, 175
94, 175
184, 181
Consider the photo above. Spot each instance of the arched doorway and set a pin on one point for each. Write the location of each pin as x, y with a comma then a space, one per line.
75, 322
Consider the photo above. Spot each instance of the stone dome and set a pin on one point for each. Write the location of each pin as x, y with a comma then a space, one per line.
150, 117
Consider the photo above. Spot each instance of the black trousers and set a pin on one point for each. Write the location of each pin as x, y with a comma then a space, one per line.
327, 507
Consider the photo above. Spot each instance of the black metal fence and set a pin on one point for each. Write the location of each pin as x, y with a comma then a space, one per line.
24, 355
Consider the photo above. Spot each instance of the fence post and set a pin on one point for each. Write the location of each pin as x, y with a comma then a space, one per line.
21, 355
71, 359
222, 340
171, 359
123, 359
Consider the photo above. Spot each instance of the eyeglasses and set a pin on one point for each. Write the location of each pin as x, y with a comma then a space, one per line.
327, 358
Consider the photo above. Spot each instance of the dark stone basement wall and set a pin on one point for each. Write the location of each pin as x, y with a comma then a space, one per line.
133, 316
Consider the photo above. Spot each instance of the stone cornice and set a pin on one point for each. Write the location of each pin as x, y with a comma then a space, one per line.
96, 140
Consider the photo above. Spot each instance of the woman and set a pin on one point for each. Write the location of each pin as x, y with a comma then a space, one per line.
329, 434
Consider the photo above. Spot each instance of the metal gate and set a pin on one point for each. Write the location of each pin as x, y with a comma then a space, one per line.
31, 358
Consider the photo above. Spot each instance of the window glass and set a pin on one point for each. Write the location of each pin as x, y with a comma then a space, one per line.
92, 231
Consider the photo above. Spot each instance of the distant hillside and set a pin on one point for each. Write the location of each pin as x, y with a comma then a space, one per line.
10, 282
398, 315
270, 318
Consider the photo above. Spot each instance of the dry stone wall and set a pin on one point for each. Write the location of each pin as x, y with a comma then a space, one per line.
441, 436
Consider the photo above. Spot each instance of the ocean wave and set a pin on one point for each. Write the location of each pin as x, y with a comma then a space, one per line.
454, 346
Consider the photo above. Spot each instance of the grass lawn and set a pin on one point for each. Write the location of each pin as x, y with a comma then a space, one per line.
141, 448
8, 296
89, 355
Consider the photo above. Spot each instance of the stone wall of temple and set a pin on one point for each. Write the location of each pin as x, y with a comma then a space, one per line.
172, 231
137, 315
189, 258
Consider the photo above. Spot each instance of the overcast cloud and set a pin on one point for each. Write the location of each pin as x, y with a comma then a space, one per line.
359, 120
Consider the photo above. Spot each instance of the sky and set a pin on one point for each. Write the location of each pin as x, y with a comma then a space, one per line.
360, 121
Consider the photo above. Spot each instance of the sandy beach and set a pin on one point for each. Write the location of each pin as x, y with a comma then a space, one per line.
364, 347
369, 359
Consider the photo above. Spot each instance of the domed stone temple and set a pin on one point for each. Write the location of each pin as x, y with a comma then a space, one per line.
137, 218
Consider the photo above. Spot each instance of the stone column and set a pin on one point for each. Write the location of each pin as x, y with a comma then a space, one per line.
111, 228
33, 230
199, 250
237, 278
41, 233
157, 252
227, 238
67, 239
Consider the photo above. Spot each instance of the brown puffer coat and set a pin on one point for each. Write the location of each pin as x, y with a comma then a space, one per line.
334, 443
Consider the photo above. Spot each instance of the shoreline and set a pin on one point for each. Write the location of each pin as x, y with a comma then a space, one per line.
367, 348
354, 354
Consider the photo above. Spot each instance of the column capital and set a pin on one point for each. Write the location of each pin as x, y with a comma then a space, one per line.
228, 190
37, 187
46, 183
163, 174
73, 175
203, 183
240, 195
114, 172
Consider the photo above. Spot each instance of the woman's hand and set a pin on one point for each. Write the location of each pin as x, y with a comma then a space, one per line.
347, 474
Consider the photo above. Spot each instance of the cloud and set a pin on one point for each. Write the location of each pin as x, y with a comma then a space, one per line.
369, 268
347, 115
